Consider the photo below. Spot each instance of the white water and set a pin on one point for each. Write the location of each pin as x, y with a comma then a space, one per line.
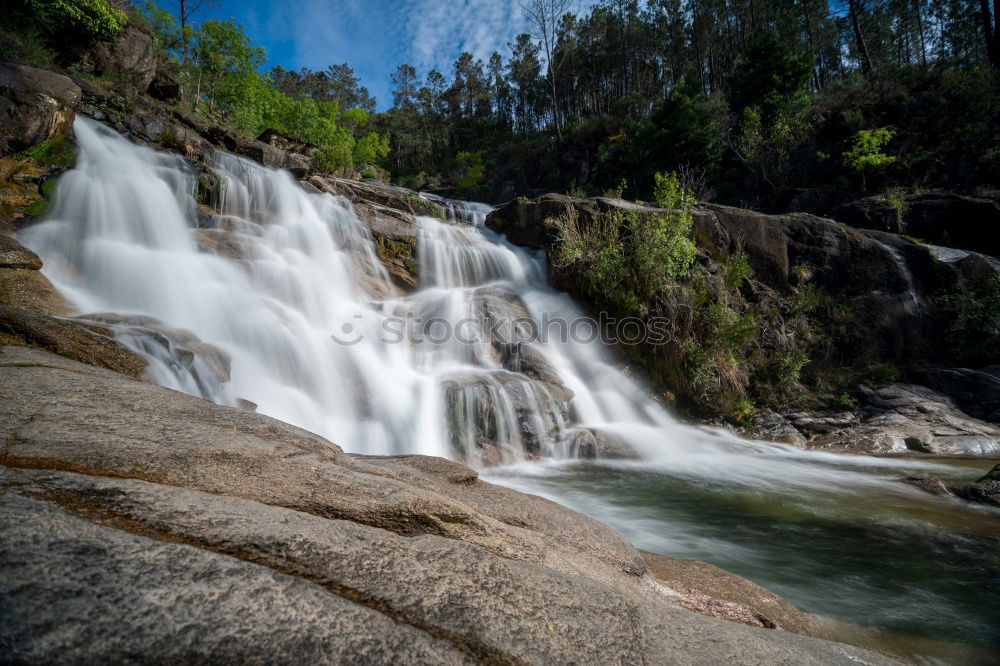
123, 238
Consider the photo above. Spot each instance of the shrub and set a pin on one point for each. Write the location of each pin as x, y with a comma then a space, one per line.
628, 257
744, 412
846, 402
93, 18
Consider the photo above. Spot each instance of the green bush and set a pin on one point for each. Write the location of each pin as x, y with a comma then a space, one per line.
93, 18
629, 258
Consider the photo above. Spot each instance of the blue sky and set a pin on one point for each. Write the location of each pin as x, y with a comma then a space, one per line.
374, 36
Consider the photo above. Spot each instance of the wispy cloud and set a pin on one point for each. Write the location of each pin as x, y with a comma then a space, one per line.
375, 36
440, 31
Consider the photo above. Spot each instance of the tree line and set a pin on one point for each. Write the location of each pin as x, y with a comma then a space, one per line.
743, 92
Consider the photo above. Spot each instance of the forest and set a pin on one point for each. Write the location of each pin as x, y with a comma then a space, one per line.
750, 101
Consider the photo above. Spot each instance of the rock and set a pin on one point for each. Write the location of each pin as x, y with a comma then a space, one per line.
773, 427
976, 392
130, 55
207, 366
928, 484
901, 418
22, 286
387, 196
727, 595
523, 220
985, 490
68, 339
129, 510
16, 256
35, 105
946, 219
166, 83
286, 143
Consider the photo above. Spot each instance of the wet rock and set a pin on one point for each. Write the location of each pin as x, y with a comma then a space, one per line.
207, 366
260, 538
928, 484
69, 339
35, 105
941, 218
985, 490
388, 196
14, 255
593, 443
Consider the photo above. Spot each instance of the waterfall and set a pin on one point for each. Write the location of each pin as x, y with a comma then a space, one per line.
275, 283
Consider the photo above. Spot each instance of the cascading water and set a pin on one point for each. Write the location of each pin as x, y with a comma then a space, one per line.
285, 288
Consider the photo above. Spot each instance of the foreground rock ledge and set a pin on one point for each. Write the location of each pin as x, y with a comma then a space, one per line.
140, 523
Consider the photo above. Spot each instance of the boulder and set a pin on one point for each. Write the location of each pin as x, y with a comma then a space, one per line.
928, 484
130, 55
141, 524
523, 220
22, 285
35, 105
166, 83
13, 255
985, 490
386, 196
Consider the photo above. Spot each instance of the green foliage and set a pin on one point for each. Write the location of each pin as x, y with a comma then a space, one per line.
91, 18
371, 149
744, 412
881, 374
163, 25
471, 169
847, 403
332, 158
54, 151
630, 258
738, 268
974, 334
769, 77
866, 149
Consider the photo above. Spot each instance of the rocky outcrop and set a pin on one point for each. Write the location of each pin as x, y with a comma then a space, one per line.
22, 286
130, 56
977, 392
952, 220
264, 539
898, 418
69, 339
35, 105
836, 297
385, 196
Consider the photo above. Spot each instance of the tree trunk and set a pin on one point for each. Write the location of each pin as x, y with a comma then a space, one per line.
184, 37
859, 38
991, 30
